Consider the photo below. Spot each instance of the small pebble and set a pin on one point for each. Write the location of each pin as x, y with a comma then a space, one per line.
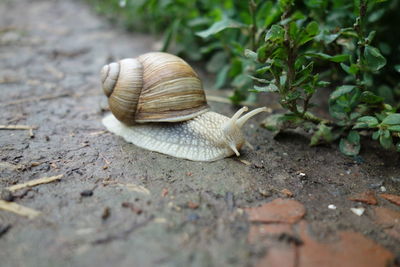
376, 185
331, 207
193, 217
106, 213
383, 189
358, 211
87, 193
6, 195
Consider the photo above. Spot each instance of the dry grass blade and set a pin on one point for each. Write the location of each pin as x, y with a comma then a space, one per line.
18, 209
35, 182
17, 127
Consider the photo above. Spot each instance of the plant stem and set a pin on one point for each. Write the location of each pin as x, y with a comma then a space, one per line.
253, 26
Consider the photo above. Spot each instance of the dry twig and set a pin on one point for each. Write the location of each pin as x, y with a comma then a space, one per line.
17, 127
35, 182
18, 209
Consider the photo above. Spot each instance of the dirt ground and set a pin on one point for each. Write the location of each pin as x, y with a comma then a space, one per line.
119, 205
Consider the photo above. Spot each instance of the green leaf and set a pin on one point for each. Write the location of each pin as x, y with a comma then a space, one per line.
352, 69
323, 83
221, 77
397, 68
387, 93
225, 23
323, 134
336, 58
392, 119
340, 58
366, 121
350, 145
394, 128
274, 122
342, 90
376, 135
275, 34
304, 74
370, 98
312, 28
373, 58
250, 54
386, 141
398, 147
269, 88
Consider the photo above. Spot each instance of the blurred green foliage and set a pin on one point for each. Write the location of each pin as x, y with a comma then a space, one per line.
290, 48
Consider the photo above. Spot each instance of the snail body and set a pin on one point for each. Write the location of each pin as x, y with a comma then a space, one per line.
158, 103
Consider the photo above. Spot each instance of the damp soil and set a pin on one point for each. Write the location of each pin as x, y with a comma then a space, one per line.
117, 204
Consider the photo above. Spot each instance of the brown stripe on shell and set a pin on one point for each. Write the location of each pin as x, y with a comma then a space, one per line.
172, 100
160, 67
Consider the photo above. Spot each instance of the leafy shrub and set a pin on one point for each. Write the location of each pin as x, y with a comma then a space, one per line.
291, 48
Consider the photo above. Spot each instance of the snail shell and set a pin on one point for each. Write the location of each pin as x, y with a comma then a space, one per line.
158, 103
153, 87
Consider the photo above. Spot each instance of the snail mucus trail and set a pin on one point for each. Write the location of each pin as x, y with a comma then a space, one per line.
158, 103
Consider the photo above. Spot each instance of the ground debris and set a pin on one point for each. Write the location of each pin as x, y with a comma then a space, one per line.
123, 234
17, 127
358, 211
392, 198
106, 213
4, 229
18, 209
6, 195
31, 183
132, 207
286, 192
192, 205
367, 197
87, 193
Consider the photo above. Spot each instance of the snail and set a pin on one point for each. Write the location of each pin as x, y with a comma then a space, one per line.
158, 103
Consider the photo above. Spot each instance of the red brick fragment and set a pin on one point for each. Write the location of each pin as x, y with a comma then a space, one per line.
351, 250
386, 217
367, 197
261, 231
389, 219
279, 254
278, 210
392, 198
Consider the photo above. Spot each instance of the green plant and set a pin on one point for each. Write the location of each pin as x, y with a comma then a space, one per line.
292, 49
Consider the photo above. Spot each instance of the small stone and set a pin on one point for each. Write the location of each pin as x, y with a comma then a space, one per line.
331, 207
192, 205
383, 189
193, 217
4, 229
87, 193
358, 211
367, 197
278, 210
392, 198
376, 185
287, 192
106, 213
6, 195
164, 192
264, 192
132, 207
